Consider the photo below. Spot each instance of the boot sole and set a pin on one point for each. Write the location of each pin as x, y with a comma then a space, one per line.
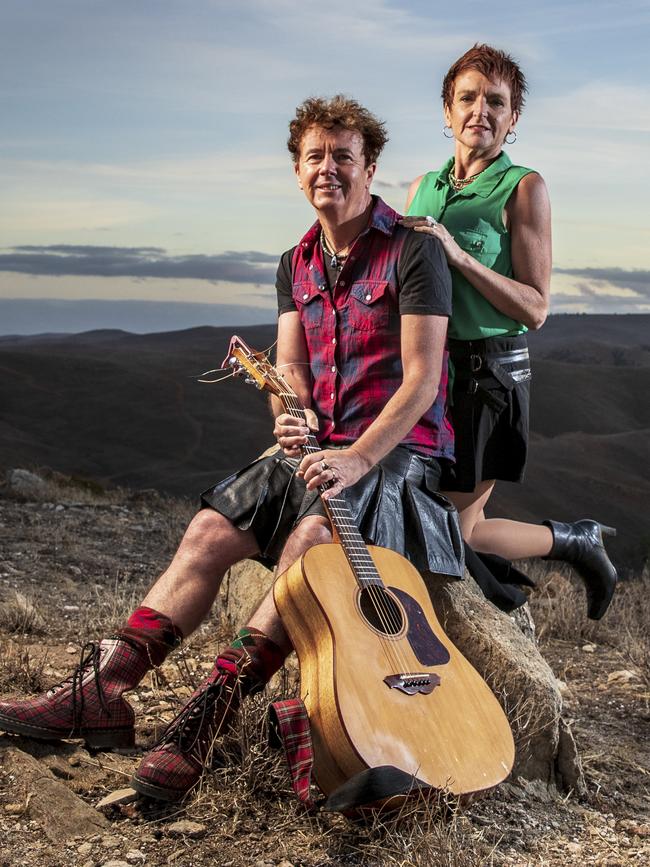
142, 787
94, 739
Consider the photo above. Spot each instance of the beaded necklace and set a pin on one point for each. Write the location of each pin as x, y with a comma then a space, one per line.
461, 183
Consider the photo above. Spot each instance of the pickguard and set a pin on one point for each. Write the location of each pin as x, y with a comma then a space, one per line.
425, 644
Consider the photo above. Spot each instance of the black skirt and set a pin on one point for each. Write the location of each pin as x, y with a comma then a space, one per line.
396, 505
489, 411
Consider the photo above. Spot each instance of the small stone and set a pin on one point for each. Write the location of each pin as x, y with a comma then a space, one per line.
574, 848
85, 849
588, 648
119, 796
14, 809
285, 864
185, 828
623, 676
88, 863
71, 608
111, 842
115, 863
135, 856
72, 648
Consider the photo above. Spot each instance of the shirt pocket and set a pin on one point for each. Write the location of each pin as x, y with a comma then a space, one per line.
310, 304
368, 305
481, 246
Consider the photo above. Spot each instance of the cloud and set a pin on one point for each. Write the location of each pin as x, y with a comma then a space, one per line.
59, 260
603, 290
635, 280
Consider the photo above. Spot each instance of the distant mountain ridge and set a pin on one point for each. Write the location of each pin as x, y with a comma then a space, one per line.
127, 409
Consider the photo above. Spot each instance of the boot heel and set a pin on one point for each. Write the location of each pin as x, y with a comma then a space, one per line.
104, 740
607, 531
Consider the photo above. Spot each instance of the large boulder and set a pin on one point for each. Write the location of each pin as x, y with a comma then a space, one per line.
503, 650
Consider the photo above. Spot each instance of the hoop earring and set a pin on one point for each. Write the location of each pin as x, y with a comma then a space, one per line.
445, 133
512, 132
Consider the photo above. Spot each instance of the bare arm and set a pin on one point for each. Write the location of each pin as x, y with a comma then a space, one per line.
422, 344
525, 296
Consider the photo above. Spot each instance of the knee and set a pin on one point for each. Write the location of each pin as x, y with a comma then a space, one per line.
309, 533
207, 527
213, 540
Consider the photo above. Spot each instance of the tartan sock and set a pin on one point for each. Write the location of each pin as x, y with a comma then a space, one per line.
253, 658
153, 631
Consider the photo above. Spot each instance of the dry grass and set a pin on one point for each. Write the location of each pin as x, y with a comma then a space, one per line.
20, 615
558, 607
20, 671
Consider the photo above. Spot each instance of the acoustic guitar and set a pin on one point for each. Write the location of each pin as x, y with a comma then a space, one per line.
382, 683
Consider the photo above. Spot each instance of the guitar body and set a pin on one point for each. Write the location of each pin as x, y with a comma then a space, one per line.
435, 718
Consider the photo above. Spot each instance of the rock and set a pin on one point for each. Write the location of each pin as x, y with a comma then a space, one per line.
115, 863
519, 676
85, 849
185, 828
135, 856
111, 841
60, 813
120, 796
26, 484
621, 677
242, 589
588, 648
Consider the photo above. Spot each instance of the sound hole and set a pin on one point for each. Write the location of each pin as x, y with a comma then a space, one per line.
380, 610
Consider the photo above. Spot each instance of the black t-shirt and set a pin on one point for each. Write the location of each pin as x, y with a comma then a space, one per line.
424, 281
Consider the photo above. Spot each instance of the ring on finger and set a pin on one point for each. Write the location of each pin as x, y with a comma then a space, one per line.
323, 466
431, 220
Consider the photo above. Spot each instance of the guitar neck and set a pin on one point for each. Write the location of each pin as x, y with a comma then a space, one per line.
337, 509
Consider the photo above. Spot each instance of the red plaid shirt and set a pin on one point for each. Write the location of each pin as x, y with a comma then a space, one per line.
353, 336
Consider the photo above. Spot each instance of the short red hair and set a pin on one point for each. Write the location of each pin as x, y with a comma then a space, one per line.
493, 64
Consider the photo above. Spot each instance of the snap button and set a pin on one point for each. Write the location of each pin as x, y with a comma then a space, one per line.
333, 369
341, 282
305, 296
368, 297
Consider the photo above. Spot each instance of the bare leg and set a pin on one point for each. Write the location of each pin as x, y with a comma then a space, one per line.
187, 589
312, 530
513, 540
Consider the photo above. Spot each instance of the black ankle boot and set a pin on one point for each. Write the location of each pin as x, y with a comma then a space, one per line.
581, 545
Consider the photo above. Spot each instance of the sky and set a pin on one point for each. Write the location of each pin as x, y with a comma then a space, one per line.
144, 178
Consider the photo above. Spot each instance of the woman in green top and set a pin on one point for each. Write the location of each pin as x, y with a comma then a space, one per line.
494, 222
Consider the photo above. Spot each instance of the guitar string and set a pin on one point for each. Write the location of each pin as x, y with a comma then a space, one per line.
284, 392
386, 615
290, 400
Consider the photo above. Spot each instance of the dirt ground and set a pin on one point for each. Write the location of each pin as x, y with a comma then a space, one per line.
73, 564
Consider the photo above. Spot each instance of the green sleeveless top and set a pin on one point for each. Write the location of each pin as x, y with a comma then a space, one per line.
474, 216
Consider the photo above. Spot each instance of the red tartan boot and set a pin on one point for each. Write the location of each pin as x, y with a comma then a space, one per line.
175, 765
89, 703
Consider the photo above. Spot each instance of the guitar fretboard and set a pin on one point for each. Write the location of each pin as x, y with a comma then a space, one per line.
338, 511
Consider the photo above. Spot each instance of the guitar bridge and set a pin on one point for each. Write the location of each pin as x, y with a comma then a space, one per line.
413, 682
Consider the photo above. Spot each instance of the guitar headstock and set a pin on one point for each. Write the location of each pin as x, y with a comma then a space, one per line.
254, 365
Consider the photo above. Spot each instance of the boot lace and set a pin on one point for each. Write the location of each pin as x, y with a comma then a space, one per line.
202, 718
90, 657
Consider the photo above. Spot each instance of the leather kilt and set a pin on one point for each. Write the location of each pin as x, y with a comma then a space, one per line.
396, 505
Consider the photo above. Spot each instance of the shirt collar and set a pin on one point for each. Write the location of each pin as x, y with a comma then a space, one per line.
383, 219
486, 181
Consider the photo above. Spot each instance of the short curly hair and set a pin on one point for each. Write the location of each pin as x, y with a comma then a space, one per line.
495, 65
338, 111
